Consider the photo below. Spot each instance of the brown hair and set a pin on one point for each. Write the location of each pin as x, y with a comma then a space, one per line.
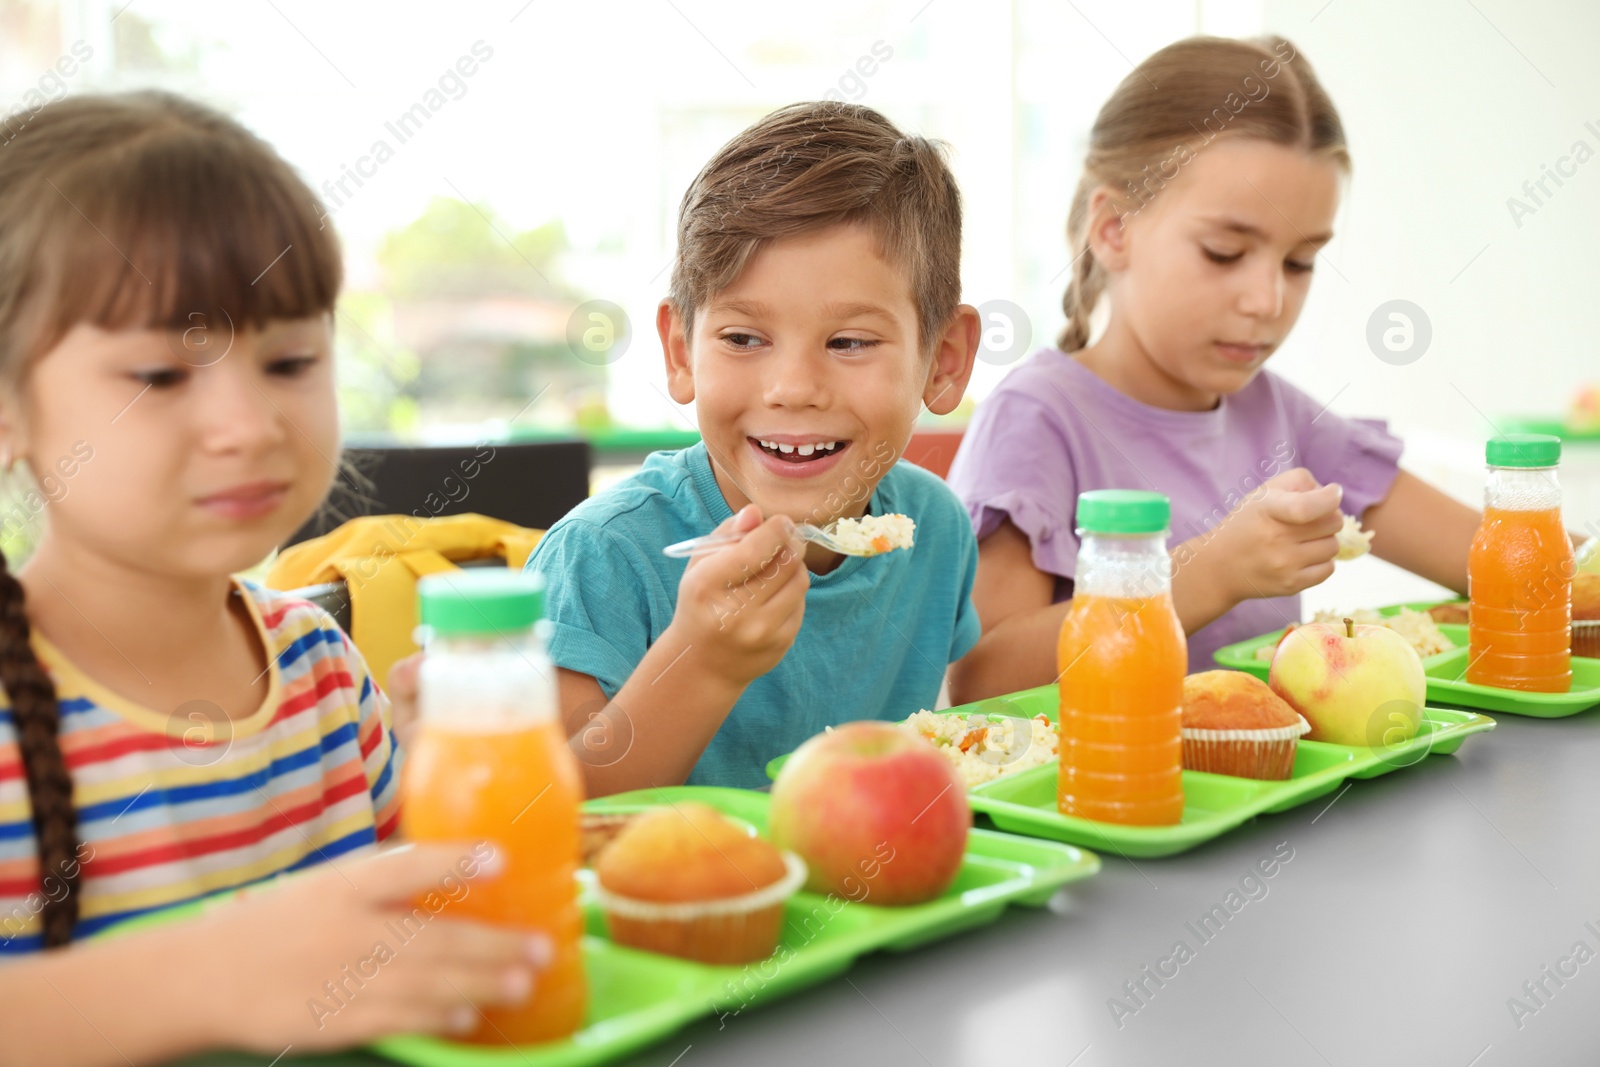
136, 210
810, 166
1174, 104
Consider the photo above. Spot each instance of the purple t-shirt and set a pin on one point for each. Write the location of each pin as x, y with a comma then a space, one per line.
1054, 429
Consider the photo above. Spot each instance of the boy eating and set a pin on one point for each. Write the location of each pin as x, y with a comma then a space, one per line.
814, 309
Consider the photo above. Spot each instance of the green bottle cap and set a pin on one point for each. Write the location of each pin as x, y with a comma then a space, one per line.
1123, 511
1524, 450
485, 600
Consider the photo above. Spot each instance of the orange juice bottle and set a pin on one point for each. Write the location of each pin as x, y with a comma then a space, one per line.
491, 763
1519, 575
1122, 657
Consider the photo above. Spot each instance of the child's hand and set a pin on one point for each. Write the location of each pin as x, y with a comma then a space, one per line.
269, 955
402, 691
1280, 540
743, 605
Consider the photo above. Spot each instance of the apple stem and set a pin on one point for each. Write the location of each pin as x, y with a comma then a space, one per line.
1349, 628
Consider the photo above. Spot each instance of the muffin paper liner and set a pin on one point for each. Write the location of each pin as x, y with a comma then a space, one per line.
1266, 754
1276, 733
730, 930
684, 911
1586, 637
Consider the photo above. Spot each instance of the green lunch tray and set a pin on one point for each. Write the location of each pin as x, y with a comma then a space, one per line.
1024, 802
1445, 672
638, 998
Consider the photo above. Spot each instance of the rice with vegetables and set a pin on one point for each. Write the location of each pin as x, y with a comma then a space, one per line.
1417, 627
874, 534
983, 749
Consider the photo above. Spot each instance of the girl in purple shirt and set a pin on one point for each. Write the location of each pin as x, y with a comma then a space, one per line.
1211, 183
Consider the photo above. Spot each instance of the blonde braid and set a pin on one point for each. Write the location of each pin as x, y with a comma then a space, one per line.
1088, 280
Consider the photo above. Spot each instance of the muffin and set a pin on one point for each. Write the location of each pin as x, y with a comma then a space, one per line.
1234, 724
597, 830
684, 881
1586, 614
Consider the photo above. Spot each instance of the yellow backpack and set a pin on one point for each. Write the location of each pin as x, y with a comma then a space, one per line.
378, 559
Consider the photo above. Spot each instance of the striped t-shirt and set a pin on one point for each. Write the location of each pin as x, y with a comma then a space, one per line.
176, 805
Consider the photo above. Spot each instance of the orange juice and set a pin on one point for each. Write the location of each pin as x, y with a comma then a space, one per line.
518, 789
1520, 581
1122, 657
491, 764
1519, 573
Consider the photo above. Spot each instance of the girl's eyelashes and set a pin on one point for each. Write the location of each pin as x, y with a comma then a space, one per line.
1293, 266
160, 377
292, 366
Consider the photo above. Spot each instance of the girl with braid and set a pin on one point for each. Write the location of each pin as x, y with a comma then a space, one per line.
168, 732
1210, 188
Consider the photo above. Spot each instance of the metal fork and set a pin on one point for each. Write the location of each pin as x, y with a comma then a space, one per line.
817, 535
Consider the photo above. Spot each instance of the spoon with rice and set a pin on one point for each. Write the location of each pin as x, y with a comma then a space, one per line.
870, 535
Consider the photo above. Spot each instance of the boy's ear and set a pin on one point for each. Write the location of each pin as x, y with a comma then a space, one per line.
1108, 239
675, 347
951, 367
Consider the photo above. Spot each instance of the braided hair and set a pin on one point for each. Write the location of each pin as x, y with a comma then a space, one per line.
38, 724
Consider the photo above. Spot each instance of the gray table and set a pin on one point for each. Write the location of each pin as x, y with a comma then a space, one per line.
1415, 905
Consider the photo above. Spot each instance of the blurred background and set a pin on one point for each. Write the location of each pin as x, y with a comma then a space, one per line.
505, 177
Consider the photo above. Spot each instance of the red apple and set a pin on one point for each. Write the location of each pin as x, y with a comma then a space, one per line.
876, 812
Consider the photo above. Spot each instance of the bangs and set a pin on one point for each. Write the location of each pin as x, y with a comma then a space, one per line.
180, 227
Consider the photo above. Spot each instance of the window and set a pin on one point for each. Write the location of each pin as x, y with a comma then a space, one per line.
493, 168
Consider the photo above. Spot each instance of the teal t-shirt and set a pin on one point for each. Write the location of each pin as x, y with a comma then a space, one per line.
877, 636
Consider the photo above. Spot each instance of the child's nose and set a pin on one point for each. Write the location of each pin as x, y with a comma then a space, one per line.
1263, 291
793, 380
233, 412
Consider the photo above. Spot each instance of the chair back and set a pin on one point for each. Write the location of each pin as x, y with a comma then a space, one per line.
530, 484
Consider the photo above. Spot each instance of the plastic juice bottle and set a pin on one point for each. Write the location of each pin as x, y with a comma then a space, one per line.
1519, 575
491, 763
1122, 657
